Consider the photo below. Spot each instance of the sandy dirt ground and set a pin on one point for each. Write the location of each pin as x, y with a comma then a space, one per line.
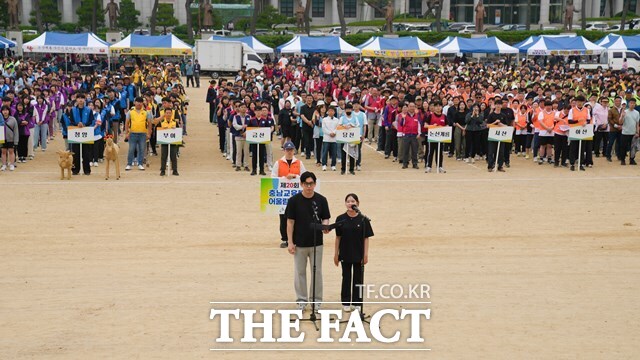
534, 263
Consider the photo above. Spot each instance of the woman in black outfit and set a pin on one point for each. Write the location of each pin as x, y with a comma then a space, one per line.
352, 249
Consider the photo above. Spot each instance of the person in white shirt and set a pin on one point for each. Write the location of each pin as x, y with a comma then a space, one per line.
329, 128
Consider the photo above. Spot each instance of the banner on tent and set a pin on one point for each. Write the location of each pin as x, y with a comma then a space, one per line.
61, 49
151, 51
543, 52
399, 53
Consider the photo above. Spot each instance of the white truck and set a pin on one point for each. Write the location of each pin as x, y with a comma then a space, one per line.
217, 57
613, 59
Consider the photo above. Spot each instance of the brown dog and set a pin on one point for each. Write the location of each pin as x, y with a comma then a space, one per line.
65, 160
111, 151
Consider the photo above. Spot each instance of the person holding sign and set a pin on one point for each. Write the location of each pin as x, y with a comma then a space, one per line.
168, 122
290, 168
630, 129
352, 251
81, 116
239, 128
496, 153
578, 115
560, 140
138, 129
437, 118
262, 119
348, 121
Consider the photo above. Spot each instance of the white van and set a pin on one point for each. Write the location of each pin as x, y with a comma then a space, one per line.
613, 59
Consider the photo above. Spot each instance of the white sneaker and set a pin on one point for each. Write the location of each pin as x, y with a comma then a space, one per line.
3, 168
324, 168
128, 167
442, 170
224, 155
428, 170
467, 160
473, 161
90, 163
346, 308
12, 167
357, 308
358, 168
535, 159
95, 164
228, 157
333, 168
140, 167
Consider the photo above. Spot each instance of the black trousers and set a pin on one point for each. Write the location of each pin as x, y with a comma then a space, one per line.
391, 143
382, 137
254, 159
345, 157
586, 157
23, 147
296, 136
473, 145
190, 80
433, 148
98, 150
164, 151
212, 111
625, 146
600, 141
307, 141
520, 141
494, 155
87, 155
283, 227
507, 152
560, 149
222, 131
351, 278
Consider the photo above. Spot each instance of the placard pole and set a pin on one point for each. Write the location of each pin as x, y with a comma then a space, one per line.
495, 166
438, 159
579, 152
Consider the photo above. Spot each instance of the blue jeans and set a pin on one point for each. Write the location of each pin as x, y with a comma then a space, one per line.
41, 133
329, 147
137, 141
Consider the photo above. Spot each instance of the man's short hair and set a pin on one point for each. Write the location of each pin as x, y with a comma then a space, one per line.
307, 174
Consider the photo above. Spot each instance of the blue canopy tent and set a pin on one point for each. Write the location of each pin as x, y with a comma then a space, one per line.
253, 43
318, 44
490, 45
617, 42
62, 43
561, 45
6, 43
166, 45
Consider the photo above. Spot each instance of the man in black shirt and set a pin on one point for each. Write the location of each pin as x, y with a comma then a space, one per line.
496, 117
303, 209
510, 117
306, 115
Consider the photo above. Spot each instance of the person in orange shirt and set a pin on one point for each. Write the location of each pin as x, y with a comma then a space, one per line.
578, 115
546, 120
288, 167
520, 125
560, 140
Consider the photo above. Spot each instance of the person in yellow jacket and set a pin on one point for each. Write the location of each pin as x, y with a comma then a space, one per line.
290, 168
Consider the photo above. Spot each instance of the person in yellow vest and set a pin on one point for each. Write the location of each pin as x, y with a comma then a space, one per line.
168, 122
290, 168
138, 130
578, 115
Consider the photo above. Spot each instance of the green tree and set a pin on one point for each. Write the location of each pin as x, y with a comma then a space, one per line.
4, 16
49, 14
85, 15
128, 19
165, 17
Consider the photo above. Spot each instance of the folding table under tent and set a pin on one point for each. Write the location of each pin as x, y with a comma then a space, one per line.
617, 42
253, 43
400, 47
62, 43
318, 44
165, 45
566, 45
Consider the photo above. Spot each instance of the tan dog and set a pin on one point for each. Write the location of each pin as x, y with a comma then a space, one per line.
111, 151
65, 160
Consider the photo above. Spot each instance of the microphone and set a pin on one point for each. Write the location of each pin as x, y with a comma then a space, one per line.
355, 208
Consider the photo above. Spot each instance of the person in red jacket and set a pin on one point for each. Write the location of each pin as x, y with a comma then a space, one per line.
409, 125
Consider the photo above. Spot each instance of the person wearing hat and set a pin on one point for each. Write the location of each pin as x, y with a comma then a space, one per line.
581, 116
287, 167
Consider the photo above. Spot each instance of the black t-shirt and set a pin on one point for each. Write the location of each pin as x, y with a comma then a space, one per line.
493, 116
300, 209
307, 111
352, 237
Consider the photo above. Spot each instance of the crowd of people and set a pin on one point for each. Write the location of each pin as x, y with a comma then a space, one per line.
303, 100
129, 104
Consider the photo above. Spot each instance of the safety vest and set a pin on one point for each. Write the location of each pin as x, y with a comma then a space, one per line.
547, 119
521, 120
138, 121
284, 169
564, 122
580, 115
